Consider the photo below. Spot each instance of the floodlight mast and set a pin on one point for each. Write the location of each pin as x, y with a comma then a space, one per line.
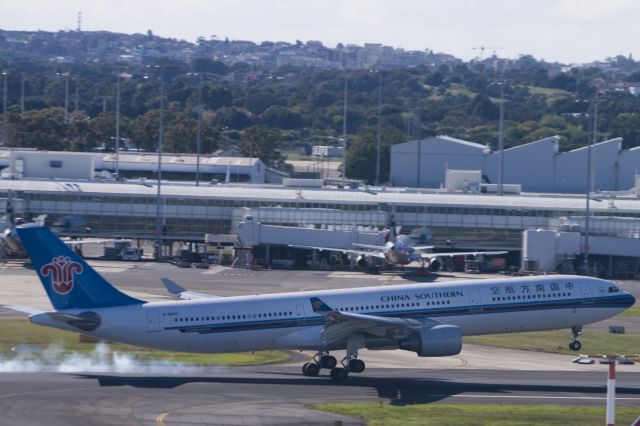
344, 133
158, 230
592, 140
501, 142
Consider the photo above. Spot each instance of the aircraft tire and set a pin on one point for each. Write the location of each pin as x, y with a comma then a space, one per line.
329, 362
356, 366
575, 345
310, 369
339, 374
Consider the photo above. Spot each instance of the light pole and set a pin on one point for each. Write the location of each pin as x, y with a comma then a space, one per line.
159, 185
592, 141
344, 133
199, 131
4, 106
4, 93
66, 97
117, 147
75, 108
501, 142
379, 136
22, 95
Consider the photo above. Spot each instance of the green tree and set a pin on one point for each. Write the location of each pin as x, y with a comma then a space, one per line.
209, 65
281, 117
362, 152
180, 132
43, 129
262, 142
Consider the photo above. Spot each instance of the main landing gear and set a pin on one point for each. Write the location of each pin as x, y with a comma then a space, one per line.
575, 344
350, 363
320, 360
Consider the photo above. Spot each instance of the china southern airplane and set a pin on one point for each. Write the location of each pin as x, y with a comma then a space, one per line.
429, 319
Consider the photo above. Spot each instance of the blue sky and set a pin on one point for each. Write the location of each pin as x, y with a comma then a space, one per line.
556, 30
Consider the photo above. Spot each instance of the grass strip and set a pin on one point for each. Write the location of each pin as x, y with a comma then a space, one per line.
631, 312
558, 341
378, 414
21, 333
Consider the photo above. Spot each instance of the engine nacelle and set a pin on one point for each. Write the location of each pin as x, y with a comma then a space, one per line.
361, 261
435, 264
441, 340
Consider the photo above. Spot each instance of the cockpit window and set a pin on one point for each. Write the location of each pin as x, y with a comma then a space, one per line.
613, 289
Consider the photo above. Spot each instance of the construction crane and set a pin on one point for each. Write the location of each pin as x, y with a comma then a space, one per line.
482, 49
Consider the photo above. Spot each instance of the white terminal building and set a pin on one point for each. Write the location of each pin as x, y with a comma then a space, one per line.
464, 210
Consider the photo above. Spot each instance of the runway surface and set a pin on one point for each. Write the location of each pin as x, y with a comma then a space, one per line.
277, 395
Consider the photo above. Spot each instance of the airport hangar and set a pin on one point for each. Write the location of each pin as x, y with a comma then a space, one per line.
547, 228
537, 166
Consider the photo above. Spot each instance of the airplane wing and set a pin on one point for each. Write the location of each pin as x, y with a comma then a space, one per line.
349, 251
340, 325
460, 253
370, 247
423, 247
179, 292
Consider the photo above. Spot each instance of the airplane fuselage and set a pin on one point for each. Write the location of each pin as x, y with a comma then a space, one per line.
288, 321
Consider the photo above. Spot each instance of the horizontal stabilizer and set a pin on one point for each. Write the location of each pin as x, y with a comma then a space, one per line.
24, 309
85, 321
180, 292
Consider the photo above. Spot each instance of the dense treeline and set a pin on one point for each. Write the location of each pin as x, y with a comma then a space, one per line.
264, 112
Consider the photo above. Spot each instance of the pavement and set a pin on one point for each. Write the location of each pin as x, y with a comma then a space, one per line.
277, 395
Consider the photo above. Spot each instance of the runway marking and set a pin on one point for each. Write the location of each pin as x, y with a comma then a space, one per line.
236, 275
160, 419
163, 416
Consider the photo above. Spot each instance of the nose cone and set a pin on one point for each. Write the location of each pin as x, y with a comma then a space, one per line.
630, 300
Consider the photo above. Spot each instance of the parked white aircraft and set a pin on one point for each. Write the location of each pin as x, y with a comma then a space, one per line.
400, 251
429, 319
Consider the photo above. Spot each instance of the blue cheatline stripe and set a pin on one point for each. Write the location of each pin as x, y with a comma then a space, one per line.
610, 302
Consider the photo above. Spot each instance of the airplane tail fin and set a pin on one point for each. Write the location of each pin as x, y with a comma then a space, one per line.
68, 280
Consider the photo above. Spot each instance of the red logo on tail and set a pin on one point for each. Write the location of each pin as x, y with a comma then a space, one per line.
62, 271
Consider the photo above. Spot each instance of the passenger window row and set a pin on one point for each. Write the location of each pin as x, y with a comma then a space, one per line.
530, 296
235, 317
394, 306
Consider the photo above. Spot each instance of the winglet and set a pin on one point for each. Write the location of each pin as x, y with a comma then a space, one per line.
173, 287
319, 306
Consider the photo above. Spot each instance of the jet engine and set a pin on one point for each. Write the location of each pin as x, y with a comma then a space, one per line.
440, 340
11, 241
361, 261
435, 264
